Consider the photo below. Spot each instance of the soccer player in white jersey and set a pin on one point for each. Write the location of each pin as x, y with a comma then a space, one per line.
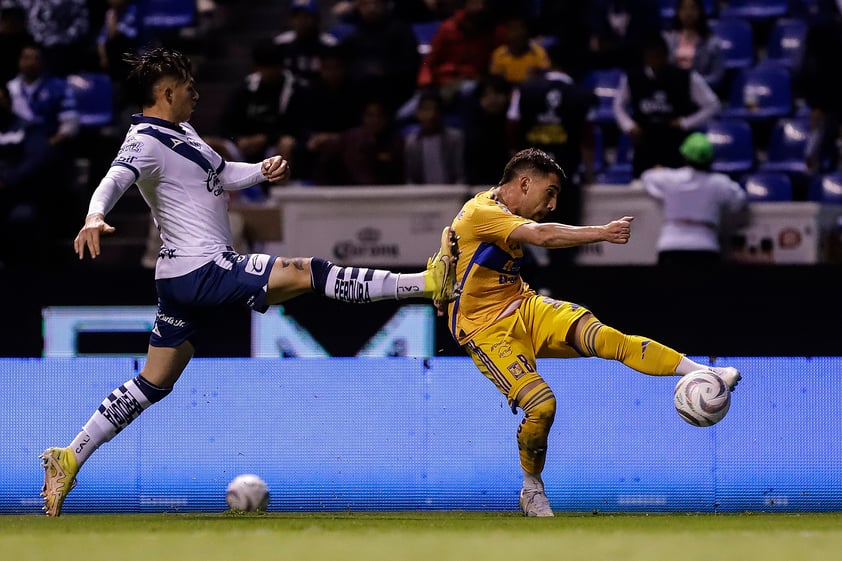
184, 182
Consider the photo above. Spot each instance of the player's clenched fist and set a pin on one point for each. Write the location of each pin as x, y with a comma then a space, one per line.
618, 231
275, 169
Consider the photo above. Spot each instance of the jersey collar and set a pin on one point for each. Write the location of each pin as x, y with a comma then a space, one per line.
139, 118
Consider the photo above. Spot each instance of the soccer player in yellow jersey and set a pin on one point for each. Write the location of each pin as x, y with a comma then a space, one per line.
504, 325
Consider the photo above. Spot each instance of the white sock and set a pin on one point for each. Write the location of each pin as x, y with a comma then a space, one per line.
532, 481
410, 285
120, 408
358, 284
686, 366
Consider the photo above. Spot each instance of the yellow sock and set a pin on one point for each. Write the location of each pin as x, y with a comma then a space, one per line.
640, 353
538, 414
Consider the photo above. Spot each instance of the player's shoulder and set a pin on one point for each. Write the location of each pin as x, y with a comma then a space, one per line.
136, 142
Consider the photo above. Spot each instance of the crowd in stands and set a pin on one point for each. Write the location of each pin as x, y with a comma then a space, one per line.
378, 92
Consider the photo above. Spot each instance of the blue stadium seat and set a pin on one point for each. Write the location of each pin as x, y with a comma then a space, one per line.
168, 14
733, 149
604, 84
761, 92
667, 8
827, 189
341, 30
424, 33
768, 186
756, 9
786, 42
619, 171
93, 93
736, 42
787, 146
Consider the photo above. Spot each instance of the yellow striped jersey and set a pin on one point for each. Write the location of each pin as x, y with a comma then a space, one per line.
489, 266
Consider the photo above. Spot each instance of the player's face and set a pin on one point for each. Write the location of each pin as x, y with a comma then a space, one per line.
541, 195
184, 99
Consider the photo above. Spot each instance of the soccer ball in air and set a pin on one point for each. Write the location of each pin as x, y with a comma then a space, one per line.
702, 398
248, 493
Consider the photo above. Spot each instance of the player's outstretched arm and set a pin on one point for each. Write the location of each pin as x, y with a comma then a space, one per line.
89, 235
555, 236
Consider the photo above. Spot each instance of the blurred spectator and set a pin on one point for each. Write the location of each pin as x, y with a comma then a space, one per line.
299, 48
691, 44
61, 27
488, 139
694, 200
419, 11
461, 49
551, 112
666, 104
258, 116
821, 82
434, 152
37, 97
370, 154
13, 37
330, 105
120, 34
618, 29
566, 20
26, 175
382, 51
520, 57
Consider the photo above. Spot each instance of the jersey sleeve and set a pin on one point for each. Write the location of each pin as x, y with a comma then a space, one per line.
139, 155
493, 223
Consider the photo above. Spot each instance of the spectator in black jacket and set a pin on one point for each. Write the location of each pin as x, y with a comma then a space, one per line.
383, 52
666, 104
258, 116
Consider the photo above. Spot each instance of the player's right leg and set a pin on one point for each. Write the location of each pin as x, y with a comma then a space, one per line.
291, 277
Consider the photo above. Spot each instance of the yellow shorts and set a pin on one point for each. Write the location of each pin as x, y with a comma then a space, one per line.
506, 351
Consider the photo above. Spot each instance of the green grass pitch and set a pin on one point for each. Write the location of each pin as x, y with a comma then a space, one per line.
423, 536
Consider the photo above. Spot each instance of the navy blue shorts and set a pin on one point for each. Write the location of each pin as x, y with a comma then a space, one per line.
183, 302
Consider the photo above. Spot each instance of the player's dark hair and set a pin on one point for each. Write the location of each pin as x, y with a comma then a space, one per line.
531, 159
149, 67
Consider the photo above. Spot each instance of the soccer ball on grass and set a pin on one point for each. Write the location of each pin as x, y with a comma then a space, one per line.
702, 398
247, 493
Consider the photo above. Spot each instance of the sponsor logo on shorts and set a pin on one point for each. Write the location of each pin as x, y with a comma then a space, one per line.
257, 264
503, 349
175, 322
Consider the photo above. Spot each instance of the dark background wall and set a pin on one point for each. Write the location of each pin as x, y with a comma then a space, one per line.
734, 311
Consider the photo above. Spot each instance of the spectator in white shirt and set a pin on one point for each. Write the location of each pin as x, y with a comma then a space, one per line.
694, 199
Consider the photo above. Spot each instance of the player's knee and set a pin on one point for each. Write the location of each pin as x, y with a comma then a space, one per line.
319, 269
539, 406
152, 392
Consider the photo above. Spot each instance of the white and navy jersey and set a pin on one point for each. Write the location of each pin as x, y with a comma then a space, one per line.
178, 175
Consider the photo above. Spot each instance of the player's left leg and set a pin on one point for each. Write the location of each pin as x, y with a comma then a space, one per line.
504, 354
564, 329
122, 406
